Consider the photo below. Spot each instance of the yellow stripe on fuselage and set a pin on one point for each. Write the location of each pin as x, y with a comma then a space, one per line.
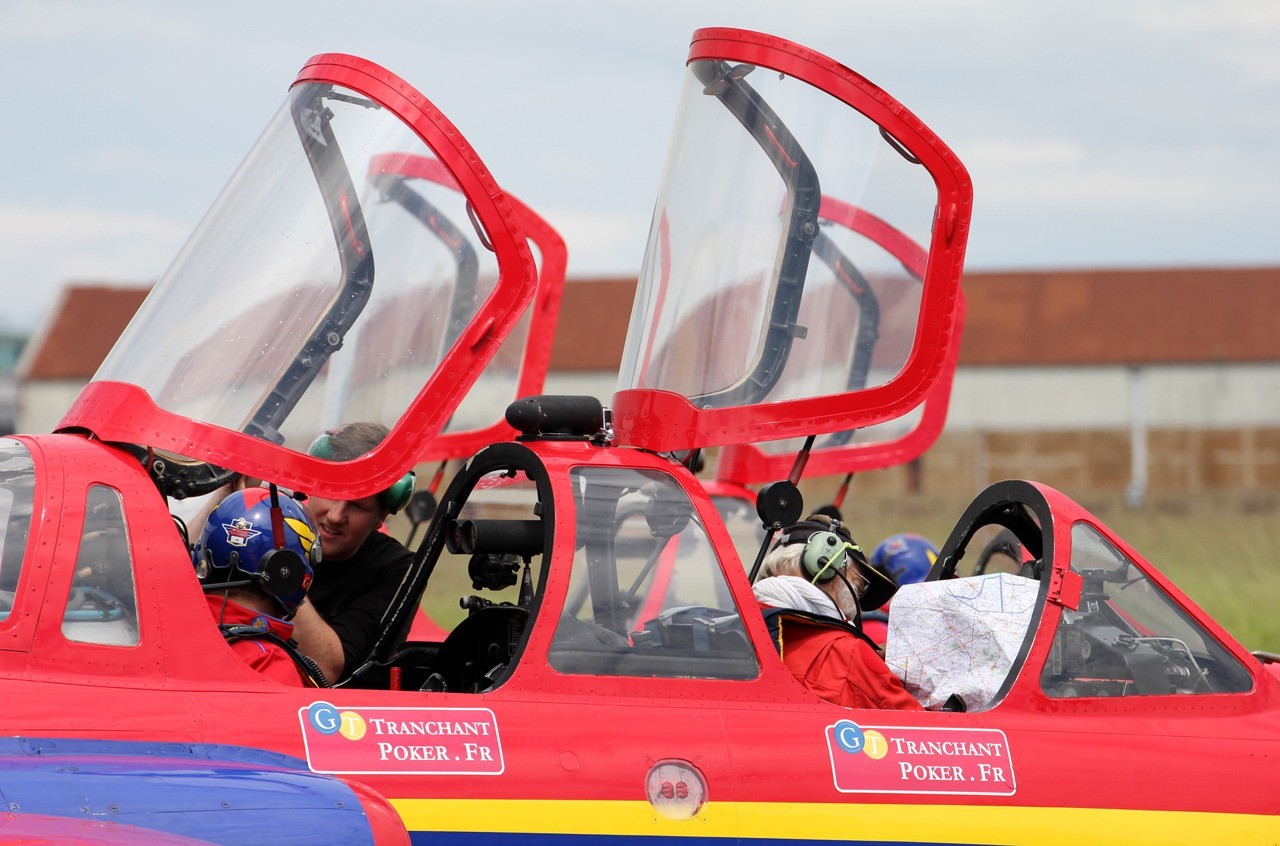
853, 821
546, 816
997, 824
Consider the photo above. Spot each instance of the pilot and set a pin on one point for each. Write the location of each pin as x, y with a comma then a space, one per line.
253, 587
906, 559
812, 588
362, 567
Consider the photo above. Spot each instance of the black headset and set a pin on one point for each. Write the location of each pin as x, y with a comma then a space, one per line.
282, 572
393, 498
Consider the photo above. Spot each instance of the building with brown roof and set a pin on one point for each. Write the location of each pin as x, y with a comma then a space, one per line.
65, 351
1083, 378
1030, 318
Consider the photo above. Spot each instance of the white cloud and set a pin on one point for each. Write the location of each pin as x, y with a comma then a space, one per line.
1050, 176
601, 242
46, 248
60, 19
1207, 19
47, 227
1238, 34
991, 155
1141, 118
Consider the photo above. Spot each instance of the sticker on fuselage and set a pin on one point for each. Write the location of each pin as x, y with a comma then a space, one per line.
902, 759
405, 741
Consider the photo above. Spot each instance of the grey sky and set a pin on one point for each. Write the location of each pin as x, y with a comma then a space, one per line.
1117, 133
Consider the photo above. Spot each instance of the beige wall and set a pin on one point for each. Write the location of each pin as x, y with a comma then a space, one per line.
1092, 398
42, 404
1208, 428
1083, 462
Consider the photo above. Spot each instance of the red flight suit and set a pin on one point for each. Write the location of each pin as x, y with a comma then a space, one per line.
261, 654
835, 661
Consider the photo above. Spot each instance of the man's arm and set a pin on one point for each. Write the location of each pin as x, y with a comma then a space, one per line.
353, 607
318, 641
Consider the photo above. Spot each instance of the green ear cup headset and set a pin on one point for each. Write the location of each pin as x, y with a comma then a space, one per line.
823, 556
393, 498
824, 550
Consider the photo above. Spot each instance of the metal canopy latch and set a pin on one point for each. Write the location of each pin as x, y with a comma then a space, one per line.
1065, 589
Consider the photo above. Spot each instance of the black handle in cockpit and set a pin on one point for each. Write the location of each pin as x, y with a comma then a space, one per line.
868, 331
312, 119
725, 82
395, 188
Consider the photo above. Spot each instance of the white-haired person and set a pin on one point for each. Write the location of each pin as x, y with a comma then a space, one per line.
812, 588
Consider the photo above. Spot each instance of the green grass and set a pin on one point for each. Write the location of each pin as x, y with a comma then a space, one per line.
1219, 549
1221, 553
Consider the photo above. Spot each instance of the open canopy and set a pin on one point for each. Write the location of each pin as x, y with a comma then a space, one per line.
519, 369
322, 288
887, 444
794, 187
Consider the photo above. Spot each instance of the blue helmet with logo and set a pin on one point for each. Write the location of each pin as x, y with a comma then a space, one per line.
237, 547
905, 558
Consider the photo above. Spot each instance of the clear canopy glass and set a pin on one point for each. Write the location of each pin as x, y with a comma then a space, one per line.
320, 289
788, 230
1128, 637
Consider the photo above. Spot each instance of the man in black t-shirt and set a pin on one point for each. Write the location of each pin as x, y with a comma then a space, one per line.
361, 567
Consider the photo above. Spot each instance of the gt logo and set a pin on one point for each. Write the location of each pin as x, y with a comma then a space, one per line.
852, 739
849, 737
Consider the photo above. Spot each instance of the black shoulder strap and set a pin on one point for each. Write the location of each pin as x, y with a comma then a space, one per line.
310, 669
773, 621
